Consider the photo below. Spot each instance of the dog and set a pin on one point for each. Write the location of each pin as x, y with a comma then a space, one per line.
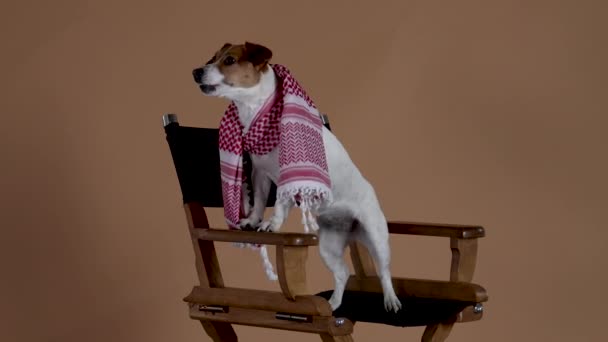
242, 74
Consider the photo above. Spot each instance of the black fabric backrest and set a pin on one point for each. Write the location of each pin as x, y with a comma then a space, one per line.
196, 159
195, 153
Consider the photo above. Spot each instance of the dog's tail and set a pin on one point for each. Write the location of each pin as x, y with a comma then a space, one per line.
337, 217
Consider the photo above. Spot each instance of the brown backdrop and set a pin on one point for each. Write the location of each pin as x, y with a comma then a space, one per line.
484, 112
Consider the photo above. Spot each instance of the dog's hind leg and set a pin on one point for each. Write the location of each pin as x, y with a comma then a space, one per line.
331, 247
376, 239
334, 231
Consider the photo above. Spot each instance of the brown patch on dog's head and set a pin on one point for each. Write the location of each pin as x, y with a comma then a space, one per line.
242, 64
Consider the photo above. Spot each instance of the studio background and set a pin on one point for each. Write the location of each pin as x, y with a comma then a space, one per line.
480, 112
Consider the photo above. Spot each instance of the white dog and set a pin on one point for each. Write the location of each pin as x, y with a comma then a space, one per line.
242, 74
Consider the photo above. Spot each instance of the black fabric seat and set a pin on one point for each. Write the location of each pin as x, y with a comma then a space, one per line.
359, 306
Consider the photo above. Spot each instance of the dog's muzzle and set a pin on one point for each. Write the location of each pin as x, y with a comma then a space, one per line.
198, 78
207, 88
198, 75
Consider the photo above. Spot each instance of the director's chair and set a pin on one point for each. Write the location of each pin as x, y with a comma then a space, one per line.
438, 305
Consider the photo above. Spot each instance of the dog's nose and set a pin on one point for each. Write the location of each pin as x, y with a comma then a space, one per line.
198, 75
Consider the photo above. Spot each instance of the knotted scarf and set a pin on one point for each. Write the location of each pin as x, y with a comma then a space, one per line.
290, 120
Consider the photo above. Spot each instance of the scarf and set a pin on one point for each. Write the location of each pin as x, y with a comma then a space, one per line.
290, 120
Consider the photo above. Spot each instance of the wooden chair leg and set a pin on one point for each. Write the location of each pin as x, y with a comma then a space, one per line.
219, 331
362, 261
329, 338
464, 257
437, 332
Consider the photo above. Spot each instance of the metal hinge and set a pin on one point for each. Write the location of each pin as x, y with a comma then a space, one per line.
169, 119
212, 309
292, 317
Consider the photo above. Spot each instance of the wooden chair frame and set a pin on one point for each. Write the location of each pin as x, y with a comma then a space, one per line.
217, 306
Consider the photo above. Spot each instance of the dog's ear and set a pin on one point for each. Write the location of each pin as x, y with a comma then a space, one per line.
257, 54
223, 49
227, 45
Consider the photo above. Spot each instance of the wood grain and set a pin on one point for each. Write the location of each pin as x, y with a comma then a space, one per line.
436, 229
262, 238
208, 271
329, 338
219, 331
291, 268
437, 332
267, 319
260, 300
205, 257
362, 261
464, 259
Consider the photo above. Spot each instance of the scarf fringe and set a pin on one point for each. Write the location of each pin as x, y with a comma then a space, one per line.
268, 268
309, 199
267, 264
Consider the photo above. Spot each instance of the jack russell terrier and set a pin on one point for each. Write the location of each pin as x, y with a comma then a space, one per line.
273, 119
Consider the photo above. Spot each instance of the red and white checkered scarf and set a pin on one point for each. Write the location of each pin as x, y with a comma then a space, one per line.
290, 120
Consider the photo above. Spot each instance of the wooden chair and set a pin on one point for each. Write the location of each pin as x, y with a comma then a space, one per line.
431, 303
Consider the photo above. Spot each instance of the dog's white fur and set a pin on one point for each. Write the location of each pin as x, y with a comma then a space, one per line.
355, 212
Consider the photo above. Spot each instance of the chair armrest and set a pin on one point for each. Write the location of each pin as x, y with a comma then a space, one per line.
433, 229
291, 253
262, 238
463, 243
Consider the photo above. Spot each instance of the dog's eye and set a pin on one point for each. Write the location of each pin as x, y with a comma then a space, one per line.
229, 60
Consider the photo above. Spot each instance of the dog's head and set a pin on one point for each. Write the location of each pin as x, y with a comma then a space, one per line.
233, 71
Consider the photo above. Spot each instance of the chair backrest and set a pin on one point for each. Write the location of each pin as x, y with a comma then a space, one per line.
195, 153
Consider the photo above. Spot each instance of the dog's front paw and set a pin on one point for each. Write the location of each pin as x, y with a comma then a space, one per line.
334, 302
391, 303
272, 225
249, 223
